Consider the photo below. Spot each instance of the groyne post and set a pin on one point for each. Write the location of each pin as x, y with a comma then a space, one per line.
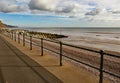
101, 66
60, 53
30, 42
41, 46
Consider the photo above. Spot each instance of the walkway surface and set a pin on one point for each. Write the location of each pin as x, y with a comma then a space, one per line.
16, 67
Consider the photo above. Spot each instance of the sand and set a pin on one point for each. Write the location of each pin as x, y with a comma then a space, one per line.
68, 73
105, 41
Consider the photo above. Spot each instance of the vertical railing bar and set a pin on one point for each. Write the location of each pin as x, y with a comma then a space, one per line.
101, 66
30, 42
15, 35
60, 53
12, 35
19, 38
23, 39
41, 46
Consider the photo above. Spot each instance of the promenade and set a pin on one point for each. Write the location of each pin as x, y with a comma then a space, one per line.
22, 65
16, 67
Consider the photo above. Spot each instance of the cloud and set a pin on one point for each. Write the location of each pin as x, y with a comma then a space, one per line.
61, 6
115, 12
10, 6
104, 11
79, 9
68, 8
45, 5
93, 12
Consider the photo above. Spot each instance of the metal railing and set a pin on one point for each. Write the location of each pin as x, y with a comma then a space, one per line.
29, 40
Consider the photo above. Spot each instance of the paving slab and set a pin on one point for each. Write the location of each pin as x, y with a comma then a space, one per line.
16, 67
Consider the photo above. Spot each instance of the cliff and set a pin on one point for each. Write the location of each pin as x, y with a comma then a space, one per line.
2, 25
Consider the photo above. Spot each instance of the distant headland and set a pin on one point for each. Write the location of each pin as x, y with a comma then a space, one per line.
2, 25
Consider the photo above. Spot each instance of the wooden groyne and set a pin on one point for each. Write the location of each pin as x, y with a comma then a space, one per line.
35, 34
46, 35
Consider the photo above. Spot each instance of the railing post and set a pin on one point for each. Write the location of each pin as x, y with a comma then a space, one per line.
30, 42
12, 35
101, 66
41, 46
60, 53
19, 38
23, 39
15, 35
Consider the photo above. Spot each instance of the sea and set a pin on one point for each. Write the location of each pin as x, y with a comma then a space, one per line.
67, 31
99, 37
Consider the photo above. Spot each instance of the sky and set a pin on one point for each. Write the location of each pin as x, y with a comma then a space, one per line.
60, 13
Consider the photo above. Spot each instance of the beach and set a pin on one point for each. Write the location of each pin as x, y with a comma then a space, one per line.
78, 41
68, 73
107, 41
104, 39
99, 39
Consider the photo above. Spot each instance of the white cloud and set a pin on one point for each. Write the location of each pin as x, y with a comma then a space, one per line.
105, 11
45, 5
8, 6
65, 6
82, 9
70, 8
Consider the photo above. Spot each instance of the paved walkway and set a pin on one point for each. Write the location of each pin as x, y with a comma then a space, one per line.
16, 67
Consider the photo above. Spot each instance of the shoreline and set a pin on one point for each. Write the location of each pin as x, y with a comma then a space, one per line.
110, 64
100, 40
88, 57
51, 63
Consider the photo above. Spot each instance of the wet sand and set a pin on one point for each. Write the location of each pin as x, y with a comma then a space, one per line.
105, 41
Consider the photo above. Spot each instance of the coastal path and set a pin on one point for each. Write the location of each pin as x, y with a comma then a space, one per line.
16, 67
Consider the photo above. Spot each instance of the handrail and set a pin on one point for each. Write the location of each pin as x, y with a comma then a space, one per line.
81, 48
47, 40
100, 52
112, 55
